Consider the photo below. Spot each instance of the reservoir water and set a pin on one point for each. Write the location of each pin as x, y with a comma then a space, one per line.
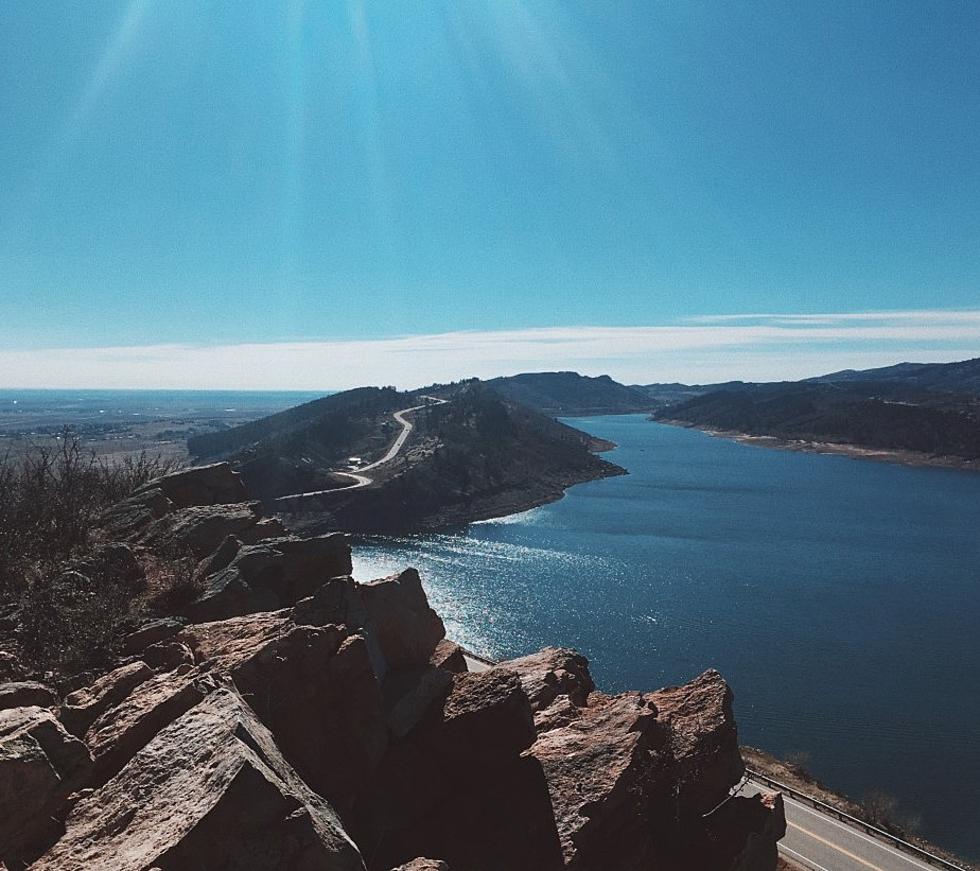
839, 597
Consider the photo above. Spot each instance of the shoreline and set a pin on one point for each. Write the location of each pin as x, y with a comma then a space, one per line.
896, 456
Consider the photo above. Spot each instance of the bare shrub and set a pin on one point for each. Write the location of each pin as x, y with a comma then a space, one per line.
72, 604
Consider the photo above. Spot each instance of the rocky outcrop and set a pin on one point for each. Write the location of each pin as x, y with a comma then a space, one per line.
211, 790
152, 632
460, 786
313, 686
271, 575
407, 629
26, 693
84, 706
201, 530
122, 731
215, 484
41, 764
294, 718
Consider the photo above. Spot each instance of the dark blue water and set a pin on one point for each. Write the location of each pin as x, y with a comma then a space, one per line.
839, 597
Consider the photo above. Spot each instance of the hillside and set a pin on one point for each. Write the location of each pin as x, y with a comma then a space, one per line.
476, 455
570, 394
959, 377
930, 412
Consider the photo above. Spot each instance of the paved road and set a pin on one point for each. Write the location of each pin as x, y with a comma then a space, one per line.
362, 480
822, 843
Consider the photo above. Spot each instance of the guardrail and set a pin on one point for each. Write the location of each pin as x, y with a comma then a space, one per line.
869, 829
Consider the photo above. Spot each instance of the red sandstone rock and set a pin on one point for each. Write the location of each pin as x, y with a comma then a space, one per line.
211, 790
459, 786
84, 706
271, 575
553, 673
449, 657
26, 693
313, 686
122, 731
705, 760
40, 765
602, 772
407, 629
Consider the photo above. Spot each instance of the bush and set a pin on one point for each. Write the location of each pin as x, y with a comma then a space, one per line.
74, 596
50, 500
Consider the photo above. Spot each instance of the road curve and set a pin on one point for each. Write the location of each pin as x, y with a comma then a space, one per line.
361, 480
819, 842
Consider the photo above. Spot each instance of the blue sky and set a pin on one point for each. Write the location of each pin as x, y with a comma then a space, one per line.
222, 177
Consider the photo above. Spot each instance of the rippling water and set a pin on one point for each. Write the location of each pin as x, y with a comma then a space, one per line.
840, 598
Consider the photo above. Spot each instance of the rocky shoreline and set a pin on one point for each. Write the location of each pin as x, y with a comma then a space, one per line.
290, 716
899, 457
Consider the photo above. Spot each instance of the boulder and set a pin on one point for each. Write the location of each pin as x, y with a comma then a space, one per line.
551, 674
313, 686
27, 693
704, 758
168, 655
40, 765
122, 731
152, 632
215, 484
114, 560
266, 528
221, 558
130, 517
271, 575
338, 602
458, 785
630, 776
211, 790
84, 706
602, 772
202, 529
407, 629
449, 657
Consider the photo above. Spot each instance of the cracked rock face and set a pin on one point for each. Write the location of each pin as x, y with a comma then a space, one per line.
210, 790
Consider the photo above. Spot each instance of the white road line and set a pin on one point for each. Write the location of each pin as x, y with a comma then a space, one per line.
800, 857
853, 831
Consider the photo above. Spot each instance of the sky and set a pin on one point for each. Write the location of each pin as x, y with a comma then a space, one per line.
304, 194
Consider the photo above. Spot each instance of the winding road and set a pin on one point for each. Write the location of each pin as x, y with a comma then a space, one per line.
362, 480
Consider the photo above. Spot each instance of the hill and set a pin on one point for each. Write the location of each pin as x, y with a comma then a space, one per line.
570, 394
922, 412
959, 377
475, 455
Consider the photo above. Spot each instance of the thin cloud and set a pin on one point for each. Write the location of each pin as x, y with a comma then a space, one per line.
770, 347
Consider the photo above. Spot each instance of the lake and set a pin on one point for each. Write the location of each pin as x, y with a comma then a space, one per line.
839, 597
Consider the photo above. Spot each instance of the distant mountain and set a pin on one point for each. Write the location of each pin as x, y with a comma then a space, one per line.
570, 394
961, 377
476, 455
930, 409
